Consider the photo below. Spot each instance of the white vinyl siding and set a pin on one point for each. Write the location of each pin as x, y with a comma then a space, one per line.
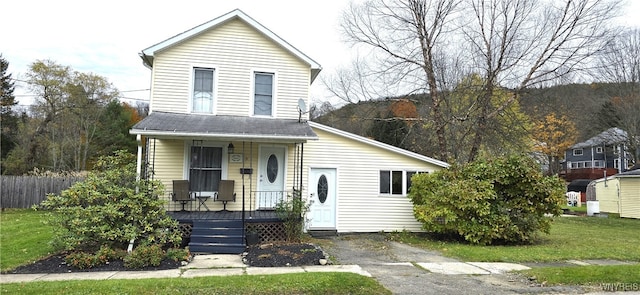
607, 195
360, 207
168, 166
235, 49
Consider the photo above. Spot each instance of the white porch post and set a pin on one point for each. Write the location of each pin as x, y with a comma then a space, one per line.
139, 158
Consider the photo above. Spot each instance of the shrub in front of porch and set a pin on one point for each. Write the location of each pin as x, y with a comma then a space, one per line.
292, 212
109, 209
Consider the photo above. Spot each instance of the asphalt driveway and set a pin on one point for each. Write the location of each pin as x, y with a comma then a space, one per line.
397, 266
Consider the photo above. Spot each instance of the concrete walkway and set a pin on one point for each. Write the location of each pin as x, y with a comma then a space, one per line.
201, 266
228, 265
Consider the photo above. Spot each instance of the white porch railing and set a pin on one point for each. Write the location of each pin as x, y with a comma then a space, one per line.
268, 200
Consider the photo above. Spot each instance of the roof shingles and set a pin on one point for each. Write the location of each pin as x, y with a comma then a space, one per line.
174, 124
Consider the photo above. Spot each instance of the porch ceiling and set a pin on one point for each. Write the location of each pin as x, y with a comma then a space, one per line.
161, 124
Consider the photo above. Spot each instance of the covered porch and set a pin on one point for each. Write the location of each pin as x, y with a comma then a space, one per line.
262, 158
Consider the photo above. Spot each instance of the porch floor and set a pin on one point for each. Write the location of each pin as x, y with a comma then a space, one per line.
250, 216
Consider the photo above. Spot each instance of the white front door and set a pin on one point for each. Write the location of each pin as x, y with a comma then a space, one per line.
322, 186
271, 174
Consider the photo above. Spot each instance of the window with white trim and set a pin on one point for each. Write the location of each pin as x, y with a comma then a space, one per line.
396, 182
202, 99
205, 168
599, 150
263, 94
577, 152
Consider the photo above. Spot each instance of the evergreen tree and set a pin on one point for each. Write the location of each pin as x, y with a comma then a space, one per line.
8, 119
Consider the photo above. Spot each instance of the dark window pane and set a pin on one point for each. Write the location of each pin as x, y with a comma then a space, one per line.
272, 168
204, 180
396, 183
323, 189
206, 168
385, 182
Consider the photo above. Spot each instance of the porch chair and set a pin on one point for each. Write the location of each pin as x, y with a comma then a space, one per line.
181, 192
225, 193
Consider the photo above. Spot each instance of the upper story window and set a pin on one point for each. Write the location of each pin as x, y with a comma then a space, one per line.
599, 149
202, 100
577, 152
263, 94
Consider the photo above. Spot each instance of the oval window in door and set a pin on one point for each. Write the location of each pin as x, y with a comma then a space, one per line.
323, 189
272, 168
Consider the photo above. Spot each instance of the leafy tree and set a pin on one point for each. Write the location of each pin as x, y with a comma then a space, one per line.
110, 208
113, 131
70, 125
395, 126
508, 132
421, 46
553, 135
488, 201
8, 119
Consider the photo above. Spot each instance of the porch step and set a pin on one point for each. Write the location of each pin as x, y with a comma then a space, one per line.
217, 237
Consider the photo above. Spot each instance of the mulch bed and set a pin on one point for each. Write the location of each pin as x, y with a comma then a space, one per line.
56, 264
266, 255
274, 255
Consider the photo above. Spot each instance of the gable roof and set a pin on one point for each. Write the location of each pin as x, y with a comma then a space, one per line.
147, 54
607, 137
223, 127
378, 144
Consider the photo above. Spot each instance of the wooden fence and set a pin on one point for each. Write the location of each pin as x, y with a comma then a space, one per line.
25, 191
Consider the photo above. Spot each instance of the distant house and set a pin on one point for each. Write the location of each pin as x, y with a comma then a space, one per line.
600, 156
228, 106
619, 193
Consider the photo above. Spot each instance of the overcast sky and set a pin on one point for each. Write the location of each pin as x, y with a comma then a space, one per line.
105, 37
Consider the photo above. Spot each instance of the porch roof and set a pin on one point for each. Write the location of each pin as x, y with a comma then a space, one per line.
164, 124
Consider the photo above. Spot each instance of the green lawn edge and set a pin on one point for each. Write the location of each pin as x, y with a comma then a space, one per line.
296, 283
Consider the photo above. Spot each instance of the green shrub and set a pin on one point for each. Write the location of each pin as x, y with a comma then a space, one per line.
178, 254
292, 213
489, 201
110, 208
82, 260
144, 256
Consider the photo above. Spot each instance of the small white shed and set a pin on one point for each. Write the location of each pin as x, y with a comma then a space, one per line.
620, 193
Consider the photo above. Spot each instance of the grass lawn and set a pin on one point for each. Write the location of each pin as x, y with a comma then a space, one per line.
23, 237
298, 283
587, 275
571, 238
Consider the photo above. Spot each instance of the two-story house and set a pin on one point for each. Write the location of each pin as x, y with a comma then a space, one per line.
599, 156
228, 103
